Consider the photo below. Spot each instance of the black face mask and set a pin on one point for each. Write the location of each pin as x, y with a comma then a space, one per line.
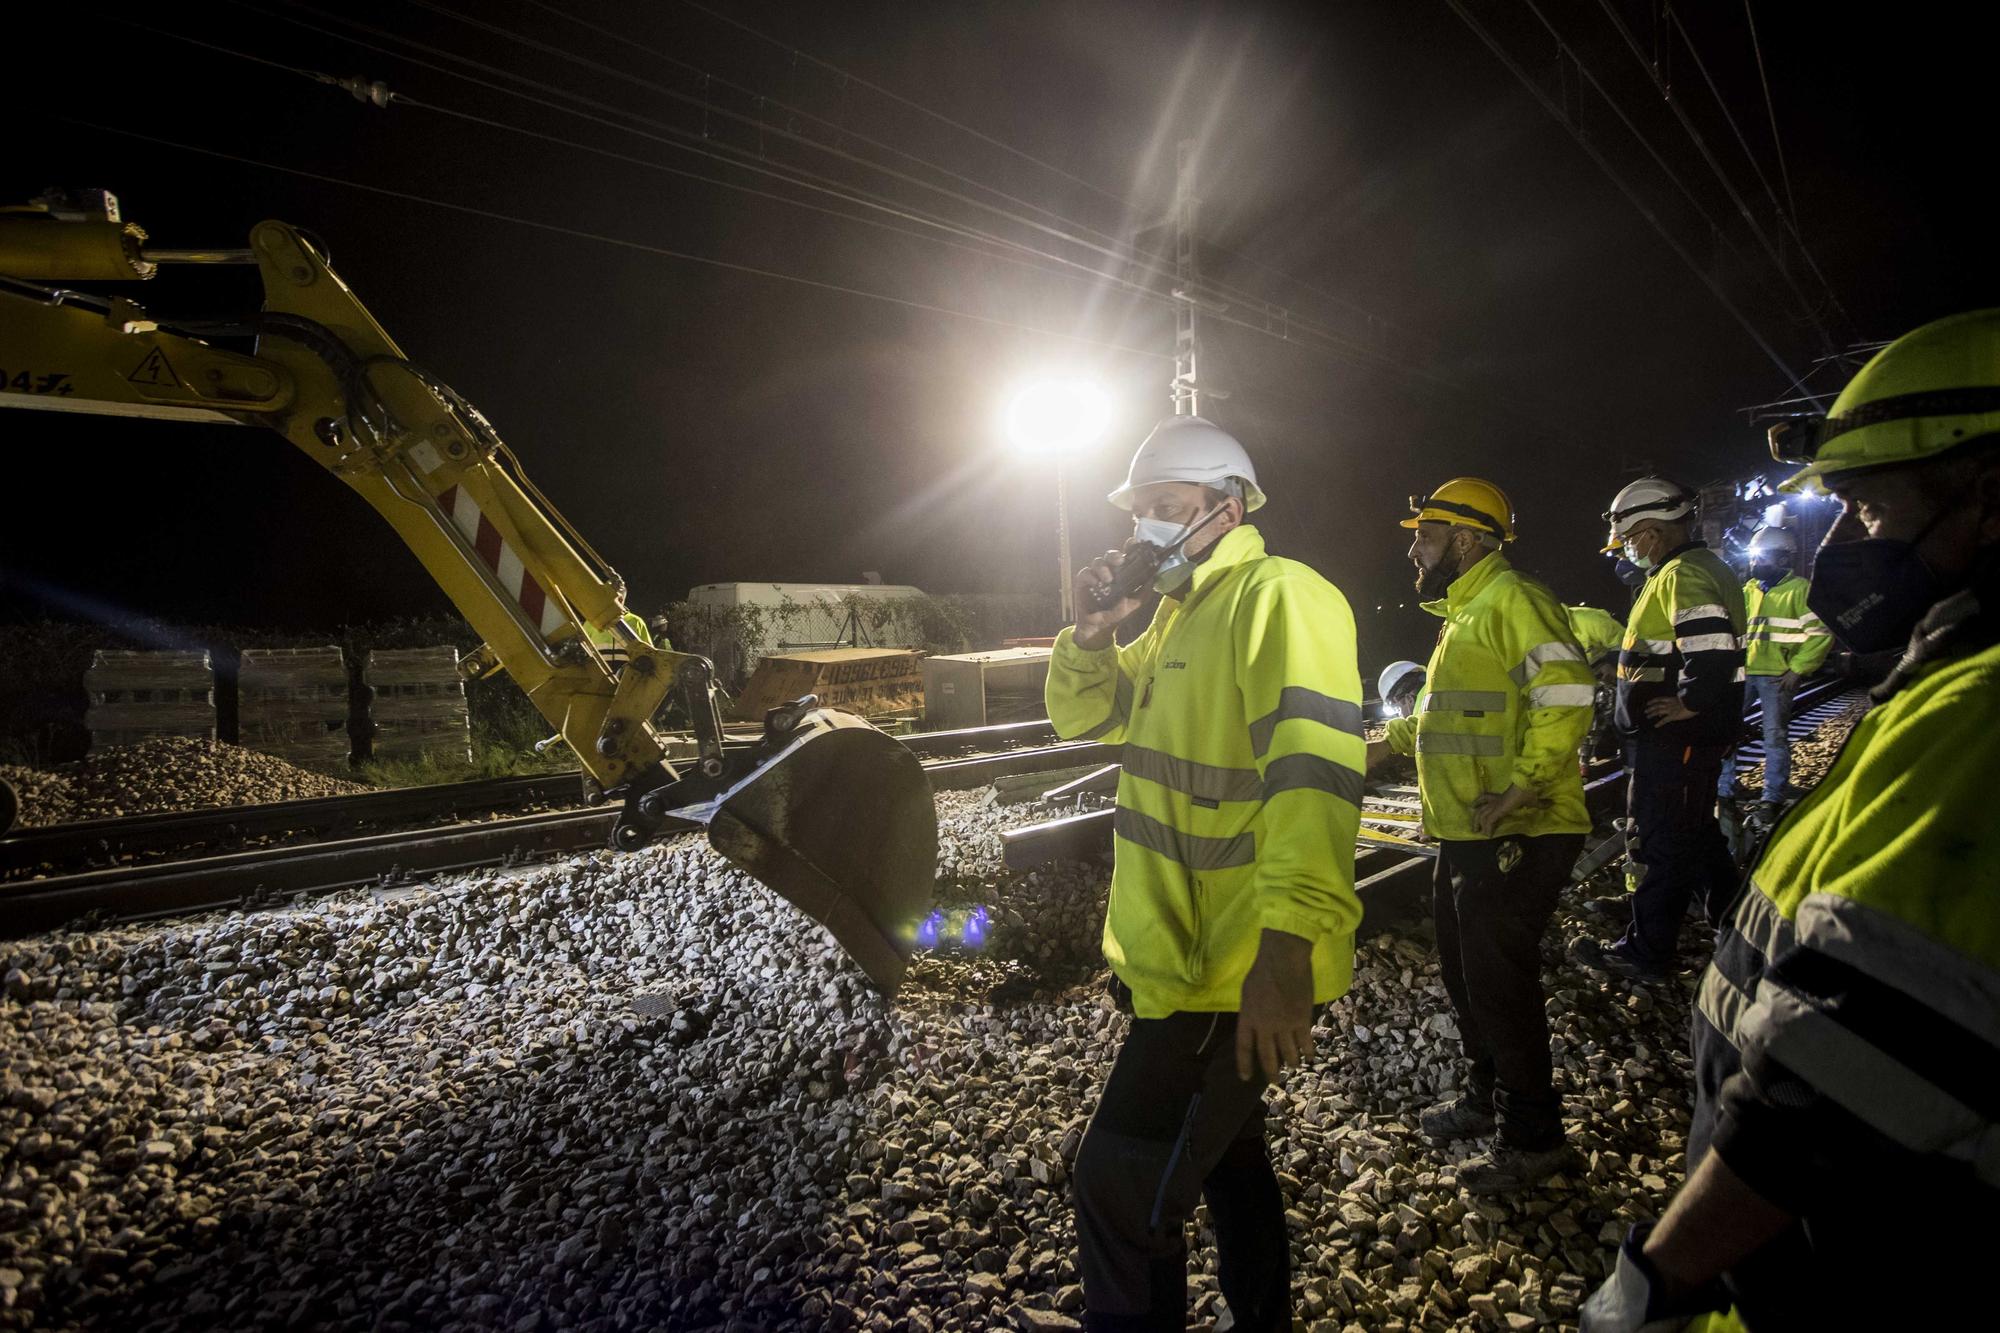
1768, 574
1871, 593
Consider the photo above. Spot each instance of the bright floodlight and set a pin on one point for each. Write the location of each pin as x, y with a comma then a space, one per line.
1057, 416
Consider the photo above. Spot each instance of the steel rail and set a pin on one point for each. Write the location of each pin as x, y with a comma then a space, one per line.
101, 841
132, 835
1391, 878
260, 875
169, 888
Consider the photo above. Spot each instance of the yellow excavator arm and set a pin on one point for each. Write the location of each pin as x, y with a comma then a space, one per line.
322, 373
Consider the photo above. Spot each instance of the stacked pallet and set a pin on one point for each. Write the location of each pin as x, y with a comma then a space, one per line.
293, 703
136, 695
416, 704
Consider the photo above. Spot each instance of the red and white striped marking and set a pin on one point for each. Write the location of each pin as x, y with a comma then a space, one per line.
501, 559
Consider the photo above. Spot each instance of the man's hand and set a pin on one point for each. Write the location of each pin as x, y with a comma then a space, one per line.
1662, 711
1274, 1018
1378, 751
1490, 809
1638, 1298
1094, 624
1671, 1270
1788, 685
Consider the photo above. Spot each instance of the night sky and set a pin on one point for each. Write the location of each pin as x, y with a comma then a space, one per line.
703, 424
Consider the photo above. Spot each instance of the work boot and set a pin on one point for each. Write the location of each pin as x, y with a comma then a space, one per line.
1504, 1170
1466, 1117
1618, 907
1613, 960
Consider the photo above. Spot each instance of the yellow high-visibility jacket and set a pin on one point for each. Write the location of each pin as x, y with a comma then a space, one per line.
1783, 633
1240, 713
1509, 701
1856, 986
1684, 640
611, 647
1599, 632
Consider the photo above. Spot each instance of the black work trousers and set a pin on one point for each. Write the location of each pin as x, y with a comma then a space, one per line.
1670, 795
1491, 900
1174, 1125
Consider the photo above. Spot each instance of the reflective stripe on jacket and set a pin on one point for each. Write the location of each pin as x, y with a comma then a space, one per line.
1684, 639
1508, 701
1782, 634
1240, 713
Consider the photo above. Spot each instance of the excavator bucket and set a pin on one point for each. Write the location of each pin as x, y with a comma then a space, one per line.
838, 818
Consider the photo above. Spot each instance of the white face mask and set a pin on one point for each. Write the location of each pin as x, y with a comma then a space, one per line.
1159, 532
1632, 554
1163, 533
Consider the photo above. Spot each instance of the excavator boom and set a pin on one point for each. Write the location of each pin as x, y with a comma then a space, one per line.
830, 812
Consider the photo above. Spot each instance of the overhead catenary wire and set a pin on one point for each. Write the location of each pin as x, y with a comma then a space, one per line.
848, 76
786, 134
383, 98
1277, 322
1067, 232
1565, 50
1281, 324
621, 242
789, 108
1645, 210
351, 84
1785, 216
876, 88
1584, 72
1770, 108
1807, 306
378, 93
657, 131
1070, 267
1023, 255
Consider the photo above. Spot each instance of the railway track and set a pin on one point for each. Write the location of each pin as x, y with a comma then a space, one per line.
110, 840
1391, 868
269, 874
107, 842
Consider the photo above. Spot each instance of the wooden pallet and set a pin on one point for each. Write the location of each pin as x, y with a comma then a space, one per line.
137, 694
415, 704
293, 703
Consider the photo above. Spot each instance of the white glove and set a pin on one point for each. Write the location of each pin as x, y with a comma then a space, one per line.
1630, 1301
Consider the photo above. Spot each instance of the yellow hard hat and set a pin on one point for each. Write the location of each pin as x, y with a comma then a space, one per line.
1929, 391
1465, 502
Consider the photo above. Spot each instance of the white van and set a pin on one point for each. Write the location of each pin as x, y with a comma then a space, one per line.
804, 616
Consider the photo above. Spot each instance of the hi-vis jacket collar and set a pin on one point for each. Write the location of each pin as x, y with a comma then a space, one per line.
1674, 555
1238, 546
1469, 584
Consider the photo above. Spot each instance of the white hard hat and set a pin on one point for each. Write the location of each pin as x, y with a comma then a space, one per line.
1648, 497
1775, 539
1393, 675
1191, 449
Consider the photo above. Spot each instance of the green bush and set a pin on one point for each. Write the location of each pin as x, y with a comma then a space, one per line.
487, 760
